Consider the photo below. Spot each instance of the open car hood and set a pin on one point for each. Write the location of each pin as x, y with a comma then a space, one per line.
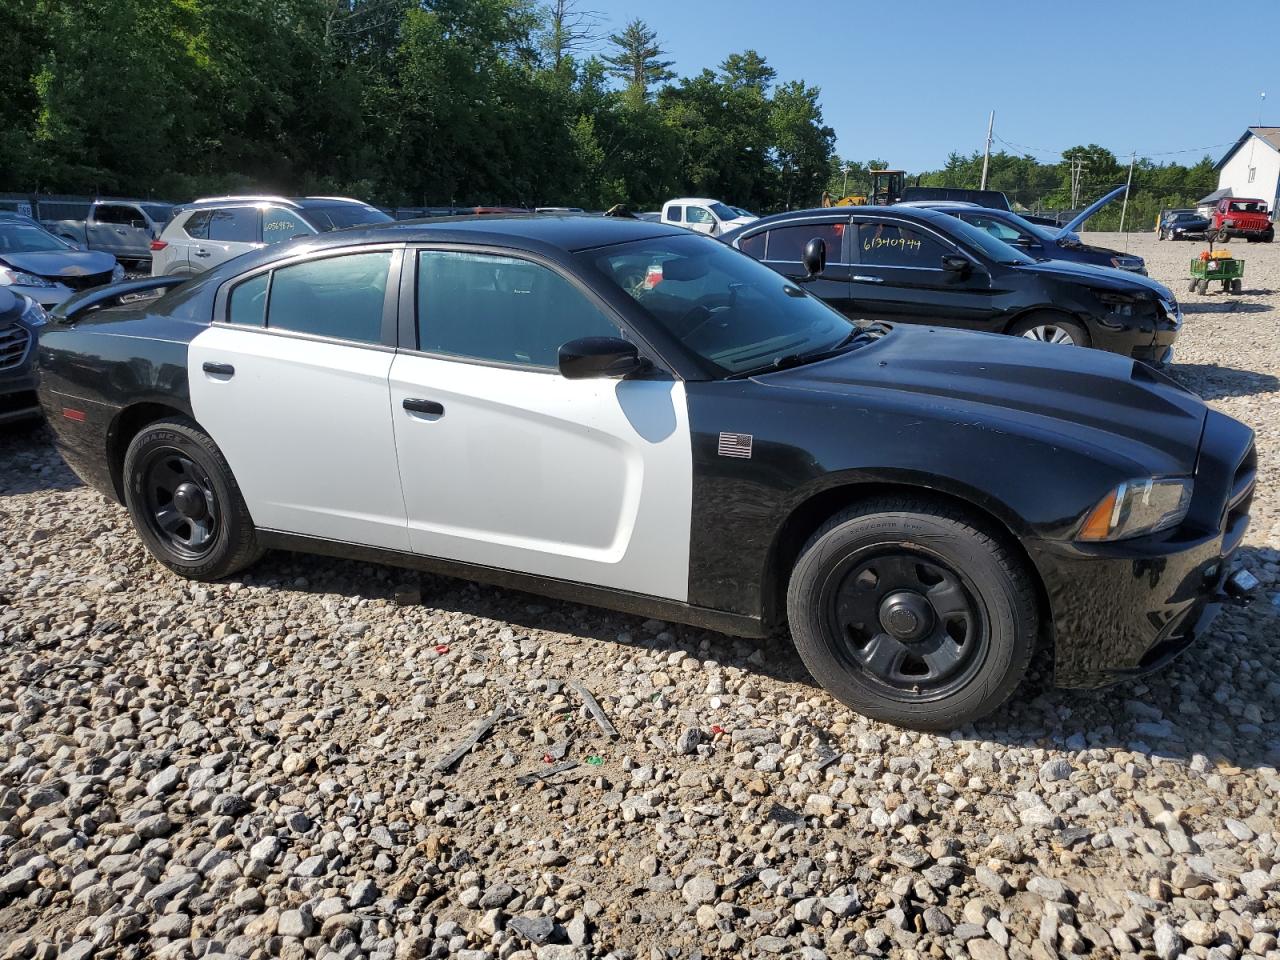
61, 263
1089, 211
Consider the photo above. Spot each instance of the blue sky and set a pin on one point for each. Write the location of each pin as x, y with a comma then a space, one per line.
906, 81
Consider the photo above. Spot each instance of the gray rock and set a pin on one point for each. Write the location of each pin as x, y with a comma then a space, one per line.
699, 889
537, 930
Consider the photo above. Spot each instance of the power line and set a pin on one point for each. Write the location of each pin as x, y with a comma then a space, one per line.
1146, 156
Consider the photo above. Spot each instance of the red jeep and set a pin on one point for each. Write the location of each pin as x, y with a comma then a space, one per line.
1240, 217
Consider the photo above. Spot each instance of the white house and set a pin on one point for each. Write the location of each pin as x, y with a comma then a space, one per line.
1251, 168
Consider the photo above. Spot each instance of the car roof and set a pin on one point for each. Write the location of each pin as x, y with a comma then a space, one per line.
690, 200
544, 233
303, 203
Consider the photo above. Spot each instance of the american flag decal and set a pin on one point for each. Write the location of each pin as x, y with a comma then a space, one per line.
735, 445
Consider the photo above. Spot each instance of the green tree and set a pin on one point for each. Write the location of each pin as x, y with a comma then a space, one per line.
638, 61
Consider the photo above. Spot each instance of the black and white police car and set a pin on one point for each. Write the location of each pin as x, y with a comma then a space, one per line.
627, 414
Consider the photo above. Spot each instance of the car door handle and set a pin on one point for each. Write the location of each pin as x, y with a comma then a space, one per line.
120, 231
429, 407
859, 278
199, 253
219, 369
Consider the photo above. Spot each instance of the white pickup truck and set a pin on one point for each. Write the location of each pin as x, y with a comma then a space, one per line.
705, 216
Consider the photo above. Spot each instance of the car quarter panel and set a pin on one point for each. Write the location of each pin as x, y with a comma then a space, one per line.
90, 371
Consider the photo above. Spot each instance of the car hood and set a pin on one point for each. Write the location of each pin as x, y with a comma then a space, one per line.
61, 263
1103, 278
1073, 226
1087, 398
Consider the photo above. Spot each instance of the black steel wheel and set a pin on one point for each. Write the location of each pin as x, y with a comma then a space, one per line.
185, 503
182, 508
907, 620
913, 613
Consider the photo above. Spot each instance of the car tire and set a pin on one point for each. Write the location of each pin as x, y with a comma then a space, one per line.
185, 502
961, 606
1269, 236
1051, 328
1236, 285
1191, 285
1202, 287
1221, 237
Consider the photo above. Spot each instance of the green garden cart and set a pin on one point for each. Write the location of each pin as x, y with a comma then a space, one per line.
1226, 270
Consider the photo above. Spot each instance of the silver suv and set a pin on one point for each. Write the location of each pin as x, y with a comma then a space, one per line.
211, 231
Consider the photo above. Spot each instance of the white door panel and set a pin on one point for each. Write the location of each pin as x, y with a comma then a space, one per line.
306, 428
584, 480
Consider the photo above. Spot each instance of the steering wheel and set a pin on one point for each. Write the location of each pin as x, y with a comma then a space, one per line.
698, 316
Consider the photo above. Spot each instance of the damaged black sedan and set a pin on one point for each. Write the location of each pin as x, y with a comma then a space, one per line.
627, 414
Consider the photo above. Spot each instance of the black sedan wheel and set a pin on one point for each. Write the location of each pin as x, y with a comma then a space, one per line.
912, 614
1051, 328
185, 503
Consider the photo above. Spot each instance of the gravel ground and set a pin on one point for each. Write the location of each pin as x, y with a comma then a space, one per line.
262, 767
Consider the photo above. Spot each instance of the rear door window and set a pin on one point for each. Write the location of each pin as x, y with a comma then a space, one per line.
786, 244
339, 297
234, 225
675, 214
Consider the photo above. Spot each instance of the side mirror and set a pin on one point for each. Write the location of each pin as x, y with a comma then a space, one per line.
814, 257
954, 263
590, 357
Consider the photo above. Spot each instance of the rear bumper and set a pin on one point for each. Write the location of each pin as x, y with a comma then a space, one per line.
1126, 608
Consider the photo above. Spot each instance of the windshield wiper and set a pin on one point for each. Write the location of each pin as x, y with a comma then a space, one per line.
789, 360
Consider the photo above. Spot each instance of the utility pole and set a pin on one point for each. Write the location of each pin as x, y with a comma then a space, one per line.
1125, 206
844, 191
986, 156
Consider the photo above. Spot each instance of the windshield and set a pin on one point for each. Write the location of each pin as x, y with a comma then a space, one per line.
724, 212
734, 313
743, 213
344, 215
17, 237
993, 247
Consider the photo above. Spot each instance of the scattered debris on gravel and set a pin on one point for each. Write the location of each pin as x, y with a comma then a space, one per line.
332, 759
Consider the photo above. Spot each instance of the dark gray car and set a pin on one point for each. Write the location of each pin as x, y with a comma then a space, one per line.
20, 316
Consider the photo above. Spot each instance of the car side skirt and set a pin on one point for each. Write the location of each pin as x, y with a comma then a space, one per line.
623, 601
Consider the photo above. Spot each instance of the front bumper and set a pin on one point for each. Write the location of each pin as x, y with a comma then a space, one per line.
1122, 609
18, 396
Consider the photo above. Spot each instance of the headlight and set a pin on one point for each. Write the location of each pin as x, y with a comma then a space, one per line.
1119, 304
117, 273
34, 315
1136, 508
1126, 263
18, 278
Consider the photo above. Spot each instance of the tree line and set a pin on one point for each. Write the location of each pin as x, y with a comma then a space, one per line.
1083, 174
401, 102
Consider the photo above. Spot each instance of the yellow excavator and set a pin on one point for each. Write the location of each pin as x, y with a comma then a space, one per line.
886, 188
